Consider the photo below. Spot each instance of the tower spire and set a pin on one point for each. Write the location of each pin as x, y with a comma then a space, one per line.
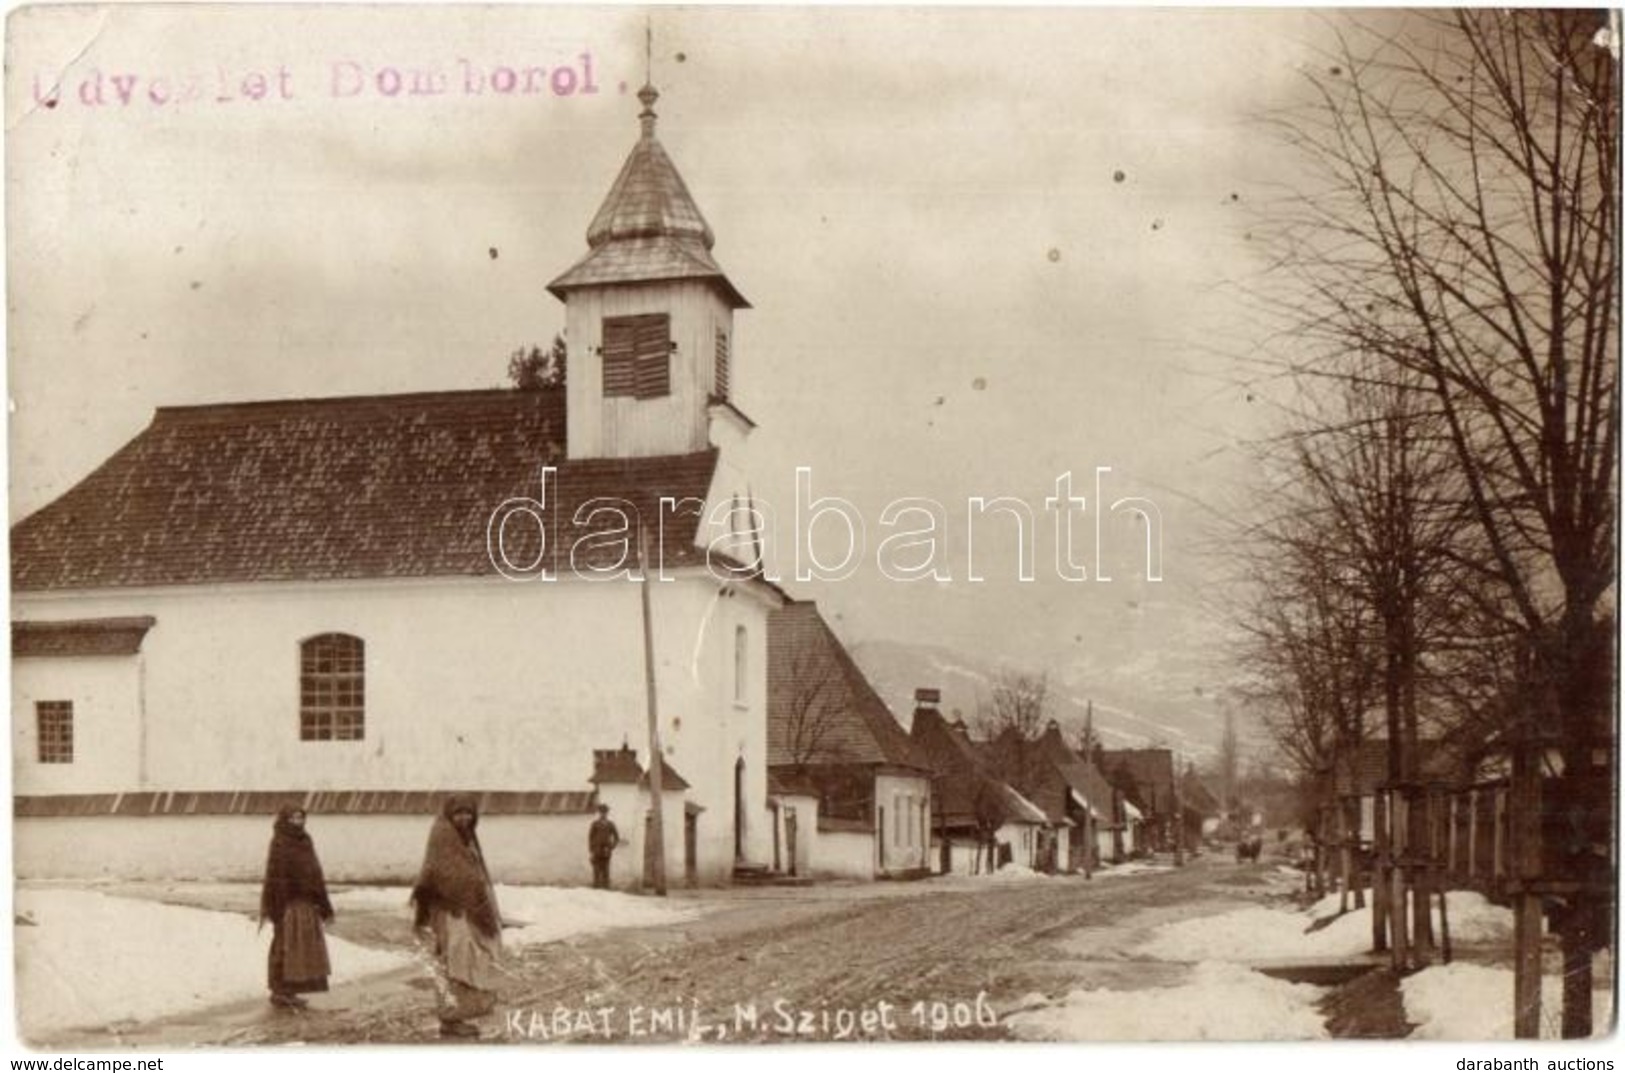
648, 94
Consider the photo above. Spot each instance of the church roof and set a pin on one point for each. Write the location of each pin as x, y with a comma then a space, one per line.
820, 707
648, 228
323, 489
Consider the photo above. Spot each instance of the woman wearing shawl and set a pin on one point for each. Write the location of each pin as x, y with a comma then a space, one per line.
456, 910
294, 899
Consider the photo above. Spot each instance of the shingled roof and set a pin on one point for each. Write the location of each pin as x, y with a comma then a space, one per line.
1080, 773
820, 708
324, 489
81, 637
1152, 774
1364, 770
649, 227
962, 778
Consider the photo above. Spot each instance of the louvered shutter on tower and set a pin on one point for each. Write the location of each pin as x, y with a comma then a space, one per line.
722, 364
637, 356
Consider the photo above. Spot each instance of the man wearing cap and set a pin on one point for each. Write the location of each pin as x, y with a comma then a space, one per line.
602, 838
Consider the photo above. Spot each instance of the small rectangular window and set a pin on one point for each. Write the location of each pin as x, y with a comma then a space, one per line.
637, 356
55, 719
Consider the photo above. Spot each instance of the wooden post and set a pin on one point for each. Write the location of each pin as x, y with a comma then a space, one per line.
1379, 872
657, 801
1351, 808
1450, 836
1343, 856
1472, 834
1444, 925
1179, 819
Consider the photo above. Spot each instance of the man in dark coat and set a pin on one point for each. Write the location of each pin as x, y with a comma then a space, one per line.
456, 912
294, 899
602, 838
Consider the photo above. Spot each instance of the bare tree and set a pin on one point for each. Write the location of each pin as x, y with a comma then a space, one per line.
814, 707
1462, 230
1228, 762
1017, 703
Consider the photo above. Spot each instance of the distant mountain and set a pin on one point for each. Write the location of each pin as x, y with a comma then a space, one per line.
1136, 703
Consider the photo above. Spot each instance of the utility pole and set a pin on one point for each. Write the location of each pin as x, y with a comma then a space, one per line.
657, 824
1179, 816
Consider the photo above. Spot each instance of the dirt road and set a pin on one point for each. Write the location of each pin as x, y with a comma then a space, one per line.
943, 959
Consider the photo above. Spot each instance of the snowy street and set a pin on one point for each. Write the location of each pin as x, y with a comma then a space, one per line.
1143, 952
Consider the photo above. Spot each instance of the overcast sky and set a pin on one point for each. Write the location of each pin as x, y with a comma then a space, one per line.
983, 247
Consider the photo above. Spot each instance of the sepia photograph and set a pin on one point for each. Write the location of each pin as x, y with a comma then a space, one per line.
792, 525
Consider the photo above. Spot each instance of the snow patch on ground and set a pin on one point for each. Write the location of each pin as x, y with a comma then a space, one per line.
1132, 868
1462, 1001
1254, 934
1473, 917
1010, 873
1218, 1001
171, 959
546, 914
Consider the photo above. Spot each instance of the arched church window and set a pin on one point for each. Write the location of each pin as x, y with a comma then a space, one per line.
741, 665
332, 688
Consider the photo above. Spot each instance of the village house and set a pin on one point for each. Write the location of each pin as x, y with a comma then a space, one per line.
1146, 779
850, 795
979, 822
1085, 811
1199, 808
1091, 794
1016, 761
313, 601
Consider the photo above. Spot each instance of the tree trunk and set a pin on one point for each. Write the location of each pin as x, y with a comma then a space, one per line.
1419, 849
1576, 982
1526, 967
1524, 829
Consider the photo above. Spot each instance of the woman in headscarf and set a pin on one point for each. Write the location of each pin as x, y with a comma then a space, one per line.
294, 899
456, 910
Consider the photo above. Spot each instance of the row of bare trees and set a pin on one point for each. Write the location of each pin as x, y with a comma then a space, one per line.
1439, 561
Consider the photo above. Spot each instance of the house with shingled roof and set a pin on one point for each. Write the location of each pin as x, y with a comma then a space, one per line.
360, 604
1146, 778
832, 742
979, 821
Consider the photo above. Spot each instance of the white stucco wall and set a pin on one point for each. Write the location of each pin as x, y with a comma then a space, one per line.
1103, 844
372, 849
1022, 838
477, 683
845, 855
804, 808
962, 857
907, 846
106, 696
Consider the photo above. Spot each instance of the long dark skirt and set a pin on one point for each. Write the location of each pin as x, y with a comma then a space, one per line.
298, 959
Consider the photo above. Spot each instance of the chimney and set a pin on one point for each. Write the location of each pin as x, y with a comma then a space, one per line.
926, 700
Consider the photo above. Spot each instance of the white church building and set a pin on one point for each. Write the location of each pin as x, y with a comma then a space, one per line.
361, 604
